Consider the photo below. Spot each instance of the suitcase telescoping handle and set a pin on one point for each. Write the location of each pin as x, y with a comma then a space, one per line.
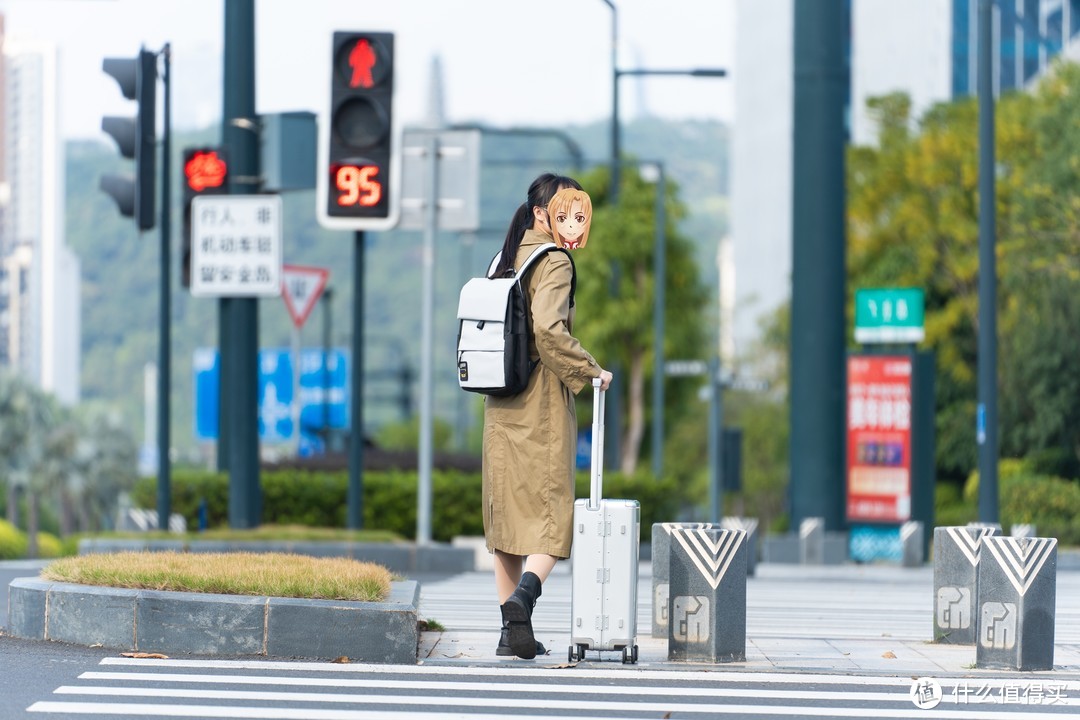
596, 467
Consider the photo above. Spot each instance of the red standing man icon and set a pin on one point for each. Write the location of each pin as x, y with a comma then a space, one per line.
362, 60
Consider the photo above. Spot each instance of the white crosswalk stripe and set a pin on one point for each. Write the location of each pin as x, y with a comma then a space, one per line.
324, 691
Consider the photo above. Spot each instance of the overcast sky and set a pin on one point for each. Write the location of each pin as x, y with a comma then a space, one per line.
504, 62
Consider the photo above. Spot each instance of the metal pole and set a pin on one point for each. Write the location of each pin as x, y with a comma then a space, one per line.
355, 494
659, 306
615, 149
164, 489
818, 277
613, 409
987, 420
427, 325
294, 406
240, 338
716, 432
327, 296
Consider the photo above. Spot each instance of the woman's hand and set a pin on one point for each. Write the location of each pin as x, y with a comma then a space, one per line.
605, 379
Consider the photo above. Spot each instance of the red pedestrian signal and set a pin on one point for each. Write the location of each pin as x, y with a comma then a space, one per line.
206, 172
204, 169
359, 176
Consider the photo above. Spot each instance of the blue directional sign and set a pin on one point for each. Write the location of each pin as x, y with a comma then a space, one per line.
323, 394
275, 396
206, 367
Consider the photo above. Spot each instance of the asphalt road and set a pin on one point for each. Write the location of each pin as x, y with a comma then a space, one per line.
825, 662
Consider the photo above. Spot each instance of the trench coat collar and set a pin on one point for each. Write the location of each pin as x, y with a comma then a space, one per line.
535, 237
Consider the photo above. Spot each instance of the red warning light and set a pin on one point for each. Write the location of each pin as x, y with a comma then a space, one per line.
362, 60
205, 169
358, 185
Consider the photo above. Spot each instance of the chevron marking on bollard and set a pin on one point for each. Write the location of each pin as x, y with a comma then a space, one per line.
712, 559
1021, 558
968, 543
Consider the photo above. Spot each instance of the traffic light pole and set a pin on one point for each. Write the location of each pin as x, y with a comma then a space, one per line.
164, 488
355, 493
239, 317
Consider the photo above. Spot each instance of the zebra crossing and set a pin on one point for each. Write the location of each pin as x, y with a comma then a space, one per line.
828, 642
126, 687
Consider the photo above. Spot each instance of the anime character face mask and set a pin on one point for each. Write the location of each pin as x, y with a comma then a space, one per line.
570, 215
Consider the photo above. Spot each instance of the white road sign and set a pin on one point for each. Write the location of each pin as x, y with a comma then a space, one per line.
236, 245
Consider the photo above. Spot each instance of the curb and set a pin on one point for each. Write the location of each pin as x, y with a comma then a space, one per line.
205, 624
396, 557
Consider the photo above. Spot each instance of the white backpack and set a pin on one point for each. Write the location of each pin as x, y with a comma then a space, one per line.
493, 331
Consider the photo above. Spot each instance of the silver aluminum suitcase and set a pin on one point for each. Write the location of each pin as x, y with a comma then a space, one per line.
604, 561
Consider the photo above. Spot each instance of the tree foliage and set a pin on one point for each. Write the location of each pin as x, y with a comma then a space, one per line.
617, 291
76, 461
913, 221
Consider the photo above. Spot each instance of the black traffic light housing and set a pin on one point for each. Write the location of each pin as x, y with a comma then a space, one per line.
206, 172
359, 179
135, 136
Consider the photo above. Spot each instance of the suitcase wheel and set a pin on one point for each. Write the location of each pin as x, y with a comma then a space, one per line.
577, 652
630, 655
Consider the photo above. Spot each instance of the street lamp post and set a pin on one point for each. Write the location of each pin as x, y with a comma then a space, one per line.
614, 411
659, 304
986, 434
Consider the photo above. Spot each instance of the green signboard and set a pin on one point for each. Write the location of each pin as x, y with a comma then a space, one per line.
889, 315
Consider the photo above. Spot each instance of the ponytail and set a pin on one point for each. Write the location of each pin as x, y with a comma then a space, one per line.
521, 222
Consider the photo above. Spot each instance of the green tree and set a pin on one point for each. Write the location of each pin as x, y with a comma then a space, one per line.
615, 319
913, 221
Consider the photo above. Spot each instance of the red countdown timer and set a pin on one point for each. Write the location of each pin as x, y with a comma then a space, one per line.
357, 185
359, 175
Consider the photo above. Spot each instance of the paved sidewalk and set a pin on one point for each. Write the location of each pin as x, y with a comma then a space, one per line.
852, 619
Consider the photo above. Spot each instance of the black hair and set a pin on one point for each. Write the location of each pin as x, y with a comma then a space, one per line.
541, 191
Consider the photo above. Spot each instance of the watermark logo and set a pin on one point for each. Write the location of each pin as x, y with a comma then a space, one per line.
925, 693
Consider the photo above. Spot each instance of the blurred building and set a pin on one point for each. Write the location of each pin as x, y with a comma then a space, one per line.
926, 48
39, 275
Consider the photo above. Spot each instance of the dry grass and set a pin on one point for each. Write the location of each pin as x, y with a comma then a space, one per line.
273, 574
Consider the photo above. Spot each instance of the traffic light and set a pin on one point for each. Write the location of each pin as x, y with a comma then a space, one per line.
135, 135
359, 176
205, 173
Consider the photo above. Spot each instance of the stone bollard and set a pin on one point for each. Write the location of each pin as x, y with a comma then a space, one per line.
911, 543
1016, 597
812, 541
661, 555
956, 561
707, 607
750, 525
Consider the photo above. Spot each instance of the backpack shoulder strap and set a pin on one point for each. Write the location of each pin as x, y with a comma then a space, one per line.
494, 264
544, 249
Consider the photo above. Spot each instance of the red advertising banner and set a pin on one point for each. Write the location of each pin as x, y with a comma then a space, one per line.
879, 438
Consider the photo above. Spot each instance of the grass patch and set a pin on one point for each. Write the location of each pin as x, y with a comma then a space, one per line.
273, 574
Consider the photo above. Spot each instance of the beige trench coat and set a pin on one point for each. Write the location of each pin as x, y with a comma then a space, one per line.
530, 439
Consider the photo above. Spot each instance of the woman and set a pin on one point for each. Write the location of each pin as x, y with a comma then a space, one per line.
530, 438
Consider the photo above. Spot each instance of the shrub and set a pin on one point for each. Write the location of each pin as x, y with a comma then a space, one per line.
300, 497
950, 508
1050, 503
49, 546
12, 541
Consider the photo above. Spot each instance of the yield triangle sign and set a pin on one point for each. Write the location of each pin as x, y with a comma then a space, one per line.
301, 287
